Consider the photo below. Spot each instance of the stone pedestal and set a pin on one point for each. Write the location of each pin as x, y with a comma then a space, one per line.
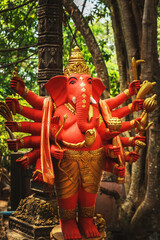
56, 234
35, 217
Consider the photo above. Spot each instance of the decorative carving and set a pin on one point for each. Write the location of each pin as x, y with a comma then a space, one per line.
76, 64
49, 40
37, 211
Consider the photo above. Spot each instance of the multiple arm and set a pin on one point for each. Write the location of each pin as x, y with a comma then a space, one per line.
27, 112
122, 97
33, 99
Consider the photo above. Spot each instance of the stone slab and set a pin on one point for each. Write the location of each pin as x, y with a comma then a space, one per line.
56, 234
32, 231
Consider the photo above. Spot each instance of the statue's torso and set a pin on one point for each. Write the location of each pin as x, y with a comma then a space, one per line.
71, 132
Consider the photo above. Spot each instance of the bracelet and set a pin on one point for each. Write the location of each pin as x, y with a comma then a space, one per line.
22, 142
25, 92
130, 141
132, 122
126, 154
19, 126
115, 165
127, 93
27, 158
20, 109
130, 107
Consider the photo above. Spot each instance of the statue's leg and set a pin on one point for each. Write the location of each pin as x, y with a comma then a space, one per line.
86, 202
67, 212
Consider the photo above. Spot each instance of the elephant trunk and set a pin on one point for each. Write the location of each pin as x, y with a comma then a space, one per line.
82, 111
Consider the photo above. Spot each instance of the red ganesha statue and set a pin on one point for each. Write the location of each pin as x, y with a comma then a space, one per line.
75, 137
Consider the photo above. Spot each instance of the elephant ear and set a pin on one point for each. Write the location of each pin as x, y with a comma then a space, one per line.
97, 88
56, 88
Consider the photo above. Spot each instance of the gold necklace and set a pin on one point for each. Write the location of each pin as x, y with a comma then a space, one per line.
70, 108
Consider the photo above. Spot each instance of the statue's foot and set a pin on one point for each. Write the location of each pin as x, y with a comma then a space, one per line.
87, 226
70, 229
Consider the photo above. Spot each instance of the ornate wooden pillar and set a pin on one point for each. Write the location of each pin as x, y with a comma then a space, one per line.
49, 41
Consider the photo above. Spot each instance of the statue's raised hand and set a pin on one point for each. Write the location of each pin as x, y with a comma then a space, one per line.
138, 138
119, 170
137, 105
13, 144
37, 176
17, 85
133, 87
23, 162
56, 152
13, 126
132, 157
13, 105
112, 151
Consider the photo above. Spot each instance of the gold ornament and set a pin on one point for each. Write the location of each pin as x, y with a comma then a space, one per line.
114, 124
90, 136
135, 63
19, 126
22, 142
76, 64
70, 108
25, 93
20, 109
127, 93
15, 72
86, 212
139, 144
150, 103
145, 89
67, 214
130, 107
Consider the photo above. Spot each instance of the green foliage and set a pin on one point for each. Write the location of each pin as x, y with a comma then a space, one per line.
18, 29
4, 151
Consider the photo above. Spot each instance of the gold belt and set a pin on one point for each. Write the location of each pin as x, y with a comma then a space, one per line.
76, 155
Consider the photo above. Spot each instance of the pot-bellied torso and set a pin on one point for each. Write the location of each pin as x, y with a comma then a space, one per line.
71, 137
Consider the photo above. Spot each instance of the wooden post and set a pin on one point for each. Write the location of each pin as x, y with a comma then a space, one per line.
49, 41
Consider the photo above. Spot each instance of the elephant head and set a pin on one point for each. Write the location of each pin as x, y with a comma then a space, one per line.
80, 90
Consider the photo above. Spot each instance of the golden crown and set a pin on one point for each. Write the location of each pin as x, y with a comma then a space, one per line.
76, 64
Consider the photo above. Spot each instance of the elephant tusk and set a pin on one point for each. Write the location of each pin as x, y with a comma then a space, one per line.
92, 100
74, 100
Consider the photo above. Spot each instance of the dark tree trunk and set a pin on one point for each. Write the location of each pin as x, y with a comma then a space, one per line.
120, 45
139, 214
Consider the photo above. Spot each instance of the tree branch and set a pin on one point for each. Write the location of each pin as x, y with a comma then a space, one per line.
90, 40
21, 23
19, 6
75, 32
18, 49
10, 64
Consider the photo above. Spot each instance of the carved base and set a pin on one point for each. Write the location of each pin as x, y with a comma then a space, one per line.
33, 231
56, 234
35, 217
